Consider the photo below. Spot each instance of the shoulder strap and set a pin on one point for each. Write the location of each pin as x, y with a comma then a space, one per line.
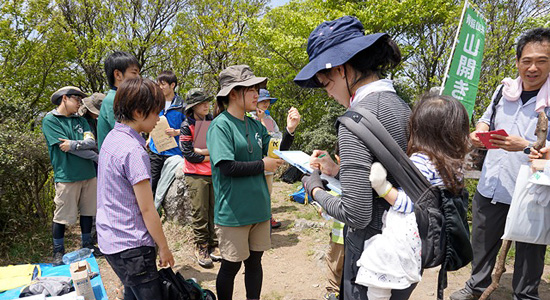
493, 113
364, 124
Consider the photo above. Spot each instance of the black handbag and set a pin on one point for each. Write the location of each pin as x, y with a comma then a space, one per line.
477, 155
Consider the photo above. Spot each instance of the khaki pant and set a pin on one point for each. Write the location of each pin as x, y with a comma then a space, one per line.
335, 265
72, 198
269, 181
237, 242
201, 194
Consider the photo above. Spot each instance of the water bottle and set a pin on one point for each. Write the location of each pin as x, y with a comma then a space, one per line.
77, 255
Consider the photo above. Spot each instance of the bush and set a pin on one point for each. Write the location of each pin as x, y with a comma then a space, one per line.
26, 180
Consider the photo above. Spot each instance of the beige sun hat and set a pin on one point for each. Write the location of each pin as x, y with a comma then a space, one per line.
239, 75
91, 104
67, 90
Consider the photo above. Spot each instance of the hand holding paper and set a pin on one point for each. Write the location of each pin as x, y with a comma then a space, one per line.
312, 181
271, 164
487, 137
300, 160
320, 159
162, 141
509, 143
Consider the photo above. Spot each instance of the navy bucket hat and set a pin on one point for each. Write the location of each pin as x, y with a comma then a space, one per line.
264, 96
332, 44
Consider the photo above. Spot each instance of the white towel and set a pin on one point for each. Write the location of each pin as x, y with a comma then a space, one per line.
514, 87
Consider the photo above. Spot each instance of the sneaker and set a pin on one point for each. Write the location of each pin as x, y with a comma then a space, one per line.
94, 248
215, 253
464, 294
57, 258
275, 224
331, 296
203, 257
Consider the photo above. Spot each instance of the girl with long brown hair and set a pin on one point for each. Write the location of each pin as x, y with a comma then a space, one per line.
438, 142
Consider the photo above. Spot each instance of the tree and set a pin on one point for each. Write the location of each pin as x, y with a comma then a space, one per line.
278, 42
218, 29
34, 61
99, 27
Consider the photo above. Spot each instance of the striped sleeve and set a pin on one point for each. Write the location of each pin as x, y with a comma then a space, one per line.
403, 203
355, 206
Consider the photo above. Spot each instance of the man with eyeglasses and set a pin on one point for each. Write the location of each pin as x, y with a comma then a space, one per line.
71, 146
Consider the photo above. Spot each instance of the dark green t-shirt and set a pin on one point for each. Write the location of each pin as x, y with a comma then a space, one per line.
239, 200
106, 119
67, 167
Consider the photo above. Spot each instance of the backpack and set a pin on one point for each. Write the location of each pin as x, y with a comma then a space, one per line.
440, 215
291, 175
175, 287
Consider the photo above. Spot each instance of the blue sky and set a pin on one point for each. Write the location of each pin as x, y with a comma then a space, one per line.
275, 3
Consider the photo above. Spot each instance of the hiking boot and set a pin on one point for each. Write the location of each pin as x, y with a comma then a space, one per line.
331, 296
203, 257
57, 258
215, 254
275, 224
94, 248
464, 294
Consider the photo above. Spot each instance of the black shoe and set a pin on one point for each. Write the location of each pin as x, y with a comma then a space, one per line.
95, 249
275, 224
57, 258
464, 294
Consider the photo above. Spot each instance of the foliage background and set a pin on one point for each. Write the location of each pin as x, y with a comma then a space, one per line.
47, 44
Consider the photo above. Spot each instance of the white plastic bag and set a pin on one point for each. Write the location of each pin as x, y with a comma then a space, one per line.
527, 221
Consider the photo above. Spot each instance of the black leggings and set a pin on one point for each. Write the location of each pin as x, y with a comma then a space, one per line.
253, 276
85, 227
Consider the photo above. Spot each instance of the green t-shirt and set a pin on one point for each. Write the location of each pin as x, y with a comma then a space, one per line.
106, 119
67, 167
239, 200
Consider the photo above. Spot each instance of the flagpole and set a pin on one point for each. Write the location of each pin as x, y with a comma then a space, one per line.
453, 48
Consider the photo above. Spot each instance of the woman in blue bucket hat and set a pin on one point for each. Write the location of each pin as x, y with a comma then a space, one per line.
351, 67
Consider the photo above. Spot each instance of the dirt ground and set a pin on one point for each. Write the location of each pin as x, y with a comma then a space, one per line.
294, 268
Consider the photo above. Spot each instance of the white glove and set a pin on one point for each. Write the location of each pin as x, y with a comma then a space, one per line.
541, 194
378, 179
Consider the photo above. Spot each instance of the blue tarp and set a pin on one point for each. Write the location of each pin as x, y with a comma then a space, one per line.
299, 196
63, 270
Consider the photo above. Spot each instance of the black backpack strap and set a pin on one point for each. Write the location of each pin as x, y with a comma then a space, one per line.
364, 124
495, 103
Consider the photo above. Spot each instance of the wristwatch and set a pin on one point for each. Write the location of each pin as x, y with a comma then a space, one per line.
527, 150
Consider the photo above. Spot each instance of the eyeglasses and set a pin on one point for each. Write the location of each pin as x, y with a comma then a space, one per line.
77, 98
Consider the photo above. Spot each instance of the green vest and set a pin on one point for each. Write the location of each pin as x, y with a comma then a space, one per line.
239, 200
106, 119
338, 232
67, 167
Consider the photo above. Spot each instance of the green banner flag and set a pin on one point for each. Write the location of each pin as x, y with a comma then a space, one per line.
463, 76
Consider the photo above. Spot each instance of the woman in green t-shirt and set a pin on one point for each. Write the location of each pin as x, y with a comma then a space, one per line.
237, 145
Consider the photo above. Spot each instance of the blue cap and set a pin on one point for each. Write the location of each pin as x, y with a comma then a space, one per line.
332, 44
264, 95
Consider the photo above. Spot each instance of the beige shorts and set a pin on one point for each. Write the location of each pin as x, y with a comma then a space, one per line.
269, 181
72, 198
235, 243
